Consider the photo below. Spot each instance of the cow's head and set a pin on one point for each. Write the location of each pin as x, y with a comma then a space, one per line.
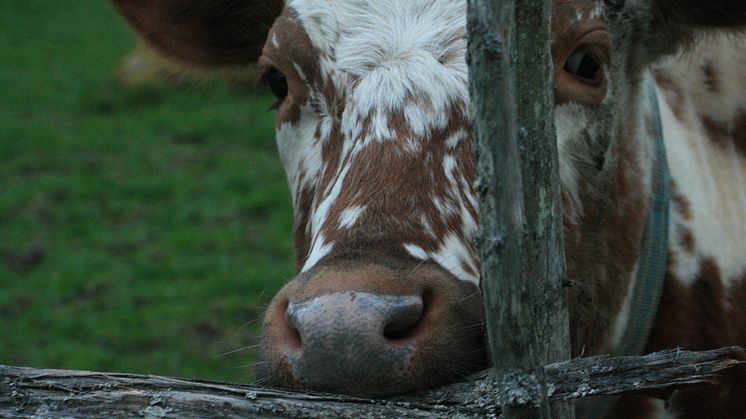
373, 131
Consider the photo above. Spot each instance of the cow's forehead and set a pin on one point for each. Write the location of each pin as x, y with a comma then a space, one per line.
382, 57
358, 35
328, 21
437, 23
385, 26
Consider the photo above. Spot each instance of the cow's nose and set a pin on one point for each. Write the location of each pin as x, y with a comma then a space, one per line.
353, 341
371, 330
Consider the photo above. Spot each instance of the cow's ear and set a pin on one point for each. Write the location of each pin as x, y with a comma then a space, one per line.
204, 32
703, 14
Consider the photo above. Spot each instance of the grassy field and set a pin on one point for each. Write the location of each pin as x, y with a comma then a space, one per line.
141, 230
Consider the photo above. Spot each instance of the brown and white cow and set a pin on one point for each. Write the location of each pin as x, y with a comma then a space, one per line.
374, 134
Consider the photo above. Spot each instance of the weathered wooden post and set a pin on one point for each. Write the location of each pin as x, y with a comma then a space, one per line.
521, 247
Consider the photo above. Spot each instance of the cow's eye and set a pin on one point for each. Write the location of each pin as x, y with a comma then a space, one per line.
276, 82
585, 65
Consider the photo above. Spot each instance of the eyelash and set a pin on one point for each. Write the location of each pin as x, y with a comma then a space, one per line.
598, 51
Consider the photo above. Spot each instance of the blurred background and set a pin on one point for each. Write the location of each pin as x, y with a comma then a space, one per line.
144, 215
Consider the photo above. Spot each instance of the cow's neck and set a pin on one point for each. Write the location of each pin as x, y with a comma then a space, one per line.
705, 125
604, 228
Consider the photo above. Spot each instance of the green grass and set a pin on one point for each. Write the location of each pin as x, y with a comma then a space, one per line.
141, 230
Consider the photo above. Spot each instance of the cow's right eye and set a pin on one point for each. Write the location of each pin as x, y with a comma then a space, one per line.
276, 82
586, 65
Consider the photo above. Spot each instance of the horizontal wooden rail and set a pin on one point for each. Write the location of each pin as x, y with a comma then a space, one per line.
26, 392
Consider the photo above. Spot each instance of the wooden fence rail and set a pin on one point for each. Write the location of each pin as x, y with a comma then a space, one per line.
28, 392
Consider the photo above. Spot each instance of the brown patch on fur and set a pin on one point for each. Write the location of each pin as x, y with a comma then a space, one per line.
724, 134
215, 33
717, 131
673, 92
697, 317
680, 202
688, 241
295, 51
712, 78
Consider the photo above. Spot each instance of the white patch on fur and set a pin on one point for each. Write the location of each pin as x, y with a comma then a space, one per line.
427, 227
622, 318
350, 216
299, 151
275, 40
449, 167
598, 10
412, 146
301, 73
471, 196
321, 211
416, 251
320, 249
470, 225
455, 139
687, 266
570, 121
452, 255
711, 177
647, 147
444, 206
660, 411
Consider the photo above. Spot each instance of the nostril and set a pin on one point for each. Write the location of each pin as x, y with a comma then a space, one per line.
290, 332
398, 330
404, 319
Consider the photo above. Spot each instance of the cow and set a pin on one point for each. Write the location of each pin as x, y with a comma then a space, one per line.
373, 130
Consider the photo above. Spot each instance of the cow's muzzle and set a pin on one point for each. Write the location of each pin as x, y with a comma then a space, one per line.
372, 331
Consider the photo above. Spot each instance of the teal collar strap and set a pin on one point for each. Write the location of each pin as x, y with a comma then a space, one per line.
651, 269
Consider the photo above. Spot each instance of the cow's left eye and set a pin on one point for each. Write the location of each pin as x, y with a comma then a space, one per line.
585, 65
276, 82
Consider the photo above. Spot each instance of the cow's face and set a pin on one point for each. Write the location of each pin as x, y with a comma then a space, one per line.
372, 128
373, 131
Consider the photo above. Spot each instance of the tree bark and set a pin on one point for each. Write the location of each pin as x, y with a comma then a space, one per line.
521, 247
544, 251
28, 392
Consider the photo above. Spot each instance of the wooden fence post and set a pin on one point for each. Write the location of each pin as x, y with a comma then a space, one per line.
521, 247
